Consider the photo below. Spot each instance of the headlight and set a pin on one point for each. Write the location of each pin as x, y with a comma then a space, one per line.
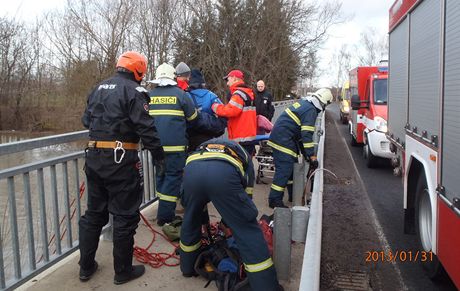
346, 109
380, 124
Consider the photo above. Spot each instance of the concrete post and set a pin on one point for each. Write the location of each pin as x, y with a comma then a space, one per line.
282, 242
300, 215
299, 183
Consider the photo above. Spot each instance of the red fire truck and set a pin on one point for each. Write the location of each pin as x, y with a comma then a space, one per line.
424, 124
368, 117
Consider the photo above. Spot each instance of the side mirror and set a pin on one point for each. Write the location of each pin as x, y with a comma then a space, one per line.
355, 102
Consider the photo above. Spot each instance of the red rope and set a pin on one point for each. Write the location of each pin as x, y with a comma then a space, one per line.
156, 260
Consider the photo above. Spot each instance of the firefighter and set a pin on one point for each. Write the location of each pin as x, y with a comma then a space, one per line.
117, 117
173, 109
240, 111
183, 74
218, 172
293, 131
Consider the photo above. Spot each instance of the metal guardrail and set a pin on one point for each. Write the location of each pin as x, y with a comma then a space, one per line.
310, 276
37, 229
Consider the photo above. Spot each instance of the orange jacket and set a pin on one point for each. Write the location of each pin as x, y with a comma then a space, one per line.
240, 112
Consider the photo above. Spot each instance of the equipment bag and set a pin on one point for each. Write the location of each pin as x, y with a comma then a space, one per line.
223, 265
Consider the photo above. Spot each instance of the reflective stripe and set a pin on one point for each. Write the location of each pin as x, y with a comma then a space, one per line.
166, 112
249, 108
242, 94
166, 197
244, 152
308, 145
210, 155
277, 188
308, 128
248, 138
282, 149
189, 249
194, 115
290, 182
174, 148
293, 116
249, 190
252, 268
236, 104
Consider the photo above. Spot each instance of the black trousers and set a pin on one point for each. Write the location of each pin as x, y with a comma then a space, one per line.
116, 189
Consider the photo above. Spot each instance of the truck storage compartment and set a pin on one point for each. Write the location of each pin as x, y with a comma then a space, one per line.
398, 86
424, 72
451, 133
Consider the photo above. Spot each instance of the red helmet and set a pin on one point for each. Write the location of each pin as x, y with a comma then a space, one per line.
133, 62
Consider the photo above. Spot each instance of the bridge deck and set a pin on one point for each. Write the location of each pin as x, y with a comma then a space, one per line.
64, 275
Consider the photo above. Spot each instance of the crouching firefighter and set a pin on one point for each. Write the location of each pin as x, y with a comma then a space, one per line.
218, 172
117, 117
293, 132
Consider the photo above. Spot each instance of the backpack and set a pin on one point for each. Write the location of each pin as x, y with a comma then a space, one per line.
222, 264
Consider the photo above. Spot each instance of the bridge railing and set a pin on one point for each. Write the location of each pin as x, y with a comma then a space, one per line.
40, 204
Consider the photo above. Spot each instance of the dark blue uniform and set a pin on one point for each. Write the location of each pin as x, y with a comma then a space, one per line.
291, 134
221, 177
116, 111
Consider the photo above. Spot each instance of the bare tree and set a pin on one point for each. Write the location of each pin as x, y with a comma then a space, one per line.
340, 63
372, 48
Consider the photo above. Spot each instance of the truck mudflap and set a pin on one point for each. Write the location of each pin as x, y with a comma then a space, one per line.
448, 239
379, 144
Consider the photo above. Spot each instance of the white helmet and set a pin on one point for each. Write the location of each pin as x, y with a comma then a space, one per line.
165, 71
324, 95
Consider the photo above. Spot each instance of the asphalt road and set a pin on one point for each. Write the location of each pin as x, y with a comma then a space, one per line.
380, 224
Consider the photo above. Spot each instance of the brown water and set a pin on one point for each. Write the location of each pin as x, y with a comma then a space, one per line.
22, 158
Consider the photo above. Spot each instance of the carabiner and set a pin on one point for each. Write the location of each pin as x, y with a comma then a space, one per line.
119, 146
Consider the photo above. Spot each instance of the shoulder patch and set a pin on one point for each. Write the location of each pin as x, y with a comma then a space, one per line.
141, 89
296, 105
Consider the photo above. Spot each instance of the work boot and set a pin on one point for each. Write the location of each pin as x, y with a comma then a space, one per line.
85, 275
161, 222
276, 203
136, 272
189, 275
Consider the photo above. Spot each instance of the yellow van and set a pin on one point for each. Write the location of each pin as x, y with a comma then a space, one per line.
345, 102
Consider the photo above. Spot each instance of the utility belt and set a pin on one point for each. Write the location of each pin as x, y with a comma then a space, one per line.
220, 148
116, 146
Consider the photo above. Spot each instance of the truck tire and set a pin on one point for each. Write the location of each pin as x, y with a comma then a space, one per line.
353, 141
423, 218
371, 160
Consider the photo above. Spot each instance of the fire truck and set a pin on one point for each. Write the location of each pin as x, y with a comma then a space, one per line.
424, 125
368, 117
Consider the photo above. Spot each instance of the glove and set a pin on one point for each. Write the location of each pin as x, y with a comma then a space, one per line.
313, 163
160, 167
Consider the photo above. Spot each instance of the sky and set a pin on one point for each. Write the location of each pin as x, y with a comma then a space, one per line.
360, 14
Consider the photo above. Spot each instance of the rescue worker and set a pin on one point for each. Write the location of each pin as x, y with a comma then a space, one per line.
293, 131
203, 99
218, 172
173, 109
264, 101
240, 111
117, 117
183, 75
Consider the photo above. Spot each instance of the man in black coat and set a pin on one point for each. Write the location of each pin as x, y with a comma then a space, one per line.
264, 101
117, 118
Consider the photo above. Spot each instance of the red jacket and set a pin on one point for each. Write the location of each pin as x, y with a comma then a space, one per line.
182, 84
240, 112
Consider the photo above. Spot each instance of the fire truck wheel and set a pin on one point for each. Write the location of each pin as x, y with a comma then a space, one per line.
423, 219
371, 160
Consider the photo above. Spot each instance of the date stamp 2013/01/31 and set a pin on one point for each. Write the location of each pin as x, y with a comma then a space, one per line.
398, 256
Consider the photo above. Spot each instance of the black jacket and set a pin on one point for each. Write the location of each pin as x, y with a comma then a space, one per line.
117, 110
264, 104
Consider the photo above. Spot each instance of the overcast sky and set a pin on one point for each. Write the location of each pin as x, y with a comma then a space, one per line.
361, 14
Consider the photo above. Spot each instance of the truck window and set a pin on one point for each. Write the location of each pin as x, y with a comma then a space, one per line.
380, 91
